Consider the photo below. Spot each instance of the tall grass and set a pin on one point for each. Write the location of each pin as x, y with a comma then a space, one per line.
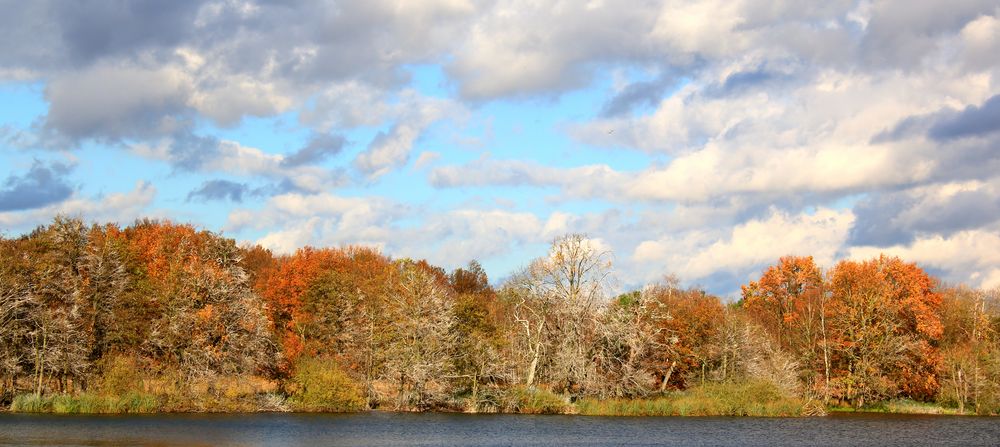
85, 403
751, 398
899, 406
531, 400
30, 403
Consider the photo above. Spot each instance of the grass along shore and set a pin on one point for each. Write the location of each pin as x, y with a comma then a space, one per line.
751, 399
902, 406
716, 399
759, 399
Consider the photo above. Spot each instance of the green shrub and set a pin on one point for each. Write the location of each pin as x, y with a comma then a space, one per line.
120, 375
320, 385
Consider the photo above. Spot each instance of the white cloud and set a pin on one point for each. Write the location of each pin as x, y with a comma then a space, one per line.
347, 105
391, 149
425, 159
980, 41
991, 281
747, 247
237, 96
112, 101
968, 256
708, 28
231, 157
758, 111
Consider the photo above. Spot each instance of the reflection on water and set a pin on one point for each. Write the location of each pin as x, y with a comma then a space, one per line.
392, 429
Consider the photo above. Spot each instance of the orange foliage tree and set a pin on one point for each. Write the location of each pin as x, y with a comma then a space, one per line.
687, 322
789, 301
283, 286
886, 324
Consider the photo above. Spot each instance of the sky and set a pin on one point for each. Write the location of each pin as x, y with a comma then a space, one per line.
703, 139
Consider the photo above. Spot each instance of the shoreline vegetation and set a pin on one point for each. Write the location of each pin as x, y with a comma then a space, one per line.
162, 317
715, 400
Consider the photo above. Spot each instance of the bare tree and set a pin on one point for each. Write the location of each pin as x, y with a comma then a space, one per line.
556, 300
17, 314
627, 334
421, 341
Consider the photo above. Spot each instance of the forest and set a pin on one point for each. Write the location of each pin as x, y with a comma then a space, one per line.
160, 316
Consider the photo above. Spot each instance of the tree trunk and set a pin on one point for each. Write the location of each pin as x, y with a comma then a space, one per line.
826, 354
40, 362
666, 377
534, 364
475, 393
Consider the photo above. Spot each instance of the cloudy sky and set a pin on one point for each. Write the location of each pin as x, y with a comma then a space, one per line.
699, 138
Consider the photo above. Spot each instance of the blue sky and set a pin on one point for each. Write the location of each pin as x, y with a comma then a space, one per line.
702, 139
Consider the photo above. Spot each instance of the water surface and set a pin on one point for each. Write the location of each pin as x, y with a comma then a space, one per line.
427, 429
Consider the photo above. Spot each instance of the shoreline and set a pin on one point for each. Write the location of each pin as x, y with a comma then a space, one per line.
832, 413
628, 408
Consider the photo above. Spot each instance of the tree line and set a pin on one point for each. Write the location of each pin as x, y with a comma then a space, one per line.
197, 322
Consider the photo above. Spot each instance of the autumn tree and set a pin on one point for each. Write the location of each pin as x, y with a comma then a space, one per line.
107, 284
789, 301
970, 345
256, 261
58, 289
885, 324
344, 313
688, 323
283, 288
207, 318
17, 314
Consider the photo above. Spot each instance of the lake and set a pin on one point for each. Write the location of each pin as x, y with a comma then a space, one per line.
437, 429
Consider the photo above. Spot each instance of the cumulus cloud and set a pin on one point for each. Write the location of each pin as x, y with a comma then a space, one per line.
220, 190
900, 33
521, 48
43, 184
746, 248
840, 126
347, 105
208, 154
391, 149
973, 121
702, 176
319, 147
893, 218
967, 257
114, 102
